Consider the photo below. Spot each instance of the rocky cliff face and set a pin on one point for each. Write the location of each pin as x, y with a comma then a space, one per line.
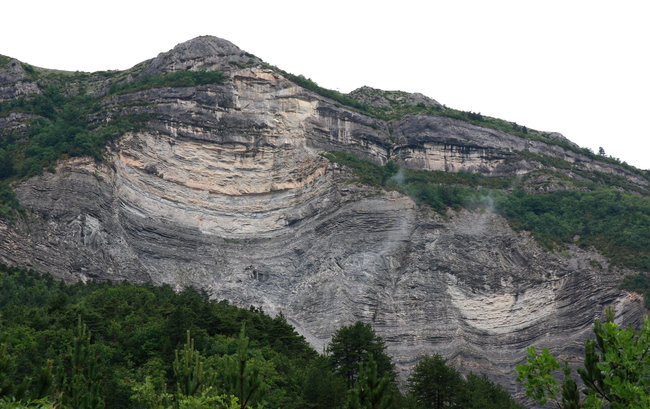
225, 189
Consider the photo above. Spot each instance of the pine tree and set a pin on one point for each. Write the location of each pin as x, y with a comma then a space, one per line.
322, 388
434, 384
80, 383
8, 387
21, 391
242, 378
352, 345
190, 375
616, 371
570, 394
370, 392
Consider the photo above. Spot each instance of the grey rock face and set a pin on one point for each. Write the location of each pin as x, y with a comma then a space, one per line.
14, 82
226, 190
383, 99
202, 53
439, 143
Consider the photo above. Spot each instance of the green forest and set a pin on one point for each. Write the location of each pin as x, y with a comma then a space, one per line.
103, 345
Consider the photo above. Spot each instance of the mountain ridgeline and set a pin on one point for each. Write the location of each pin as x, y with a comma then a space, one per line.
449, 232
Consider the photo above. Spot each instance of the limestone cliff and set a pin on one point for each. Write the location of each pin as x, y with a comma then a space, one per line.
225, 189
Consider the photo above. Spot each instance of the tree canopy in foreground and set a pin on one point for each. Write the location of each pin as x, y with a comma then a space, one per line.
616, 371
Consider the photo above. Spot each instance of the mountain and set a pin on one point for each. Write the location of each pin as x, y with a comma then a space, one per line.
449, 231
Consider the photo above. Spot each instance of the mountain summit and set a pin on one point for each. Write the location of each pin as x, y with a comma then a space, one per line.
200, 53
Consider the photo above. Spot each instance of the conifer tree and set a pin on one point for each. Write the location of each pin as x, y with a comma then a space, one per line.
616, 371
191, 377
13, 391
242, 378
322, 388
434, 384
80, 380
352, 345
370, 391
8, 387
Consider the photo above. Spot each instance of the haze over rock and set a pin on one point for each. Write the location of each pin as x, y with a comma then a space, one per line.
225, 189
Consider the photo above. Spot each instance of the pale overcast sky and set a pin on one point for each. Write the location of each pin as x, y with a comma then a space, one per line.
581, 68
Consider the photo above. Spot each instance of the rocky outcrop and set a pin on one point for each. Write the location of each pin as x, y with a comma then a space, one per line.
439, 143
225, 189
387, 99
14, 81
201, 54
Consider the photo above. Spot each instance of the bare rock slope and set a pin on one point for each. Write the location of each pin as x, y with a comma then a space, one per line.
225, 189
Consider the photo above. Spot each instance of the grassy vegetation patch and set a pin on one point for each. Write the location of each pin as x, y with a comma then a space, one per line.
592, 179
4, 61
175, 79
545, 160
8, 202
639, 283
440, 190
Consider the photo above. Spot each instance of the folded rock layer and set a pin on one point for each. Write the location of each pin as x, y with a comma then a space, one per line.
225, 189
